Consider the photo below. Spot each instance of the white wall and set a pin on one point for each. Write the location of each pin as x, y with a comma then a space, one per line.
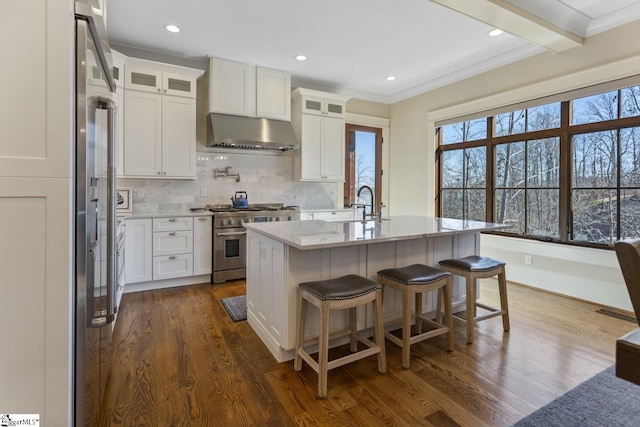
36, 130
587, 274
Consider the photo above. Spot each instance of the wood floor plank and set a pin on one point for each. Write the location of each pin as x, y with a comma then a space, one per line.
180, 360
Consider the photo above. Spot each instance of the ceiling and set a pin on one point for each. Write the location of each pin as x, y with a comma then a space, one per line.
352, 46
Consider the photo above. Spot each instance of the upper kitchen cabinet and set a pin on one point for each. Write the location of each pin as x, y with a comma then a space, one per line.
318, 121
162, 82
159, 120
273, 94
246, 90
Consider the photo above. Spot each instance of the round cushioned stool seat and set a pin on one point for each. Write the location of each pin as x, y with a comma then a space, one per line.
473, 263
345, 287
415, 274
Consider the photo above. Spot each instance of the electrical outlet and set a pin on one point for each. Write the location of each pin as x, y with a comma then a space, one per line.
203, 192
527, 259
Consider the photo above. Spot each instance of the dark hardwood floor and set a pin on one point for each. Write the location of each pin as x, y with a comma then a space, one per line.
179, 360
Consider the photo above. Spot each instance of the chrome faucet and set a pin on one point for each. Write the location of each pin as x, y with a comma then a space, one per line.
373, 208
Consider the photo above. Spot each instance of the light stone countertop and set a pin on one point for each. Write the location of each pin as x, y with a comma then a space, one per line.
165, 214
319, 234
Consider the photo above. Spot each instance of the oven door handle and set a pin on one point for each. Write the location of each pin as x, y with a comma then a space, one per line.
233, 233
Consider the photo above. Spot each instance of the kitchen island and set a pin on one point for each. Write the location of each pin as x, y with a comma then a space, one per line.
282, 254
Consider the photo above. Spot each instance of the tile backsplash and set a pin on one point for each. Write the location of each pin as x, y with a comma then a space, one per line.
267, 178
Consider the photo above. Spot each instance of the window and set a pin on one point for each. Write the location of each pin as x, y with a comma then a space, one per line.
564, 172
363, 164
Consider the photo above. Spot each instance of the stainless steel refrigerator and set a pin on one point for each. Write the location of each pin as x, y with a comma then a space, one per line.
94, 177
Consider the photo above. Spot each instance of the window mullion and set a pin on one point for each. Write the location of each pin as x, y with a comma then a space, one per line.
564, 202
490, 173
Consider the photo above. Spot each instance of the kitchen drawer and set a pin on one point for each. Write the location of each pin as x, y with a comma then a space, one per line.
172, 266
172, 242
172, 224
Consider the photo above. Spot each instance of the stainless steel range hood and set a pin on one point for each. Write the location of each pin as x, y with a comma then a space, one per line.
228, 131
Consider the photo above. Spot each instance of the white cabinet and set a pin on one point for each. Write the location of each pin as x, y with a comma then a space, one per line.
160, 136
273, 94
246, 90
159, 120
232, 88
318, 121
328, 215
202, 241
267, 303
155, 80
318, 105
167, 248
138, 251
172, 248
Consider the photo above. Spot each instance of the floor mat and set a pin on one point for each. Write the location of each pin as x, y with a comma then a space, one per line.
236, 307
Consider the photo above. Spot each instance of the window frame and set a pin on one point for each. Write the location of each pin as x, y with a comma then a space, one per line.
565, 133
350, 191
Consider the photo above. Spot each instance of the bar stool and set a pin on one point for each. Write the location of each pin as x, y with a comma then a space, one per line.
413, 281
473, 268
347, 292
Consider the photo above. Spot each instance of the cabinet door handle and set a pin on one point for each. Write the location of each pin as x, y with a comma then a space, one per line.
173, 257
173, 233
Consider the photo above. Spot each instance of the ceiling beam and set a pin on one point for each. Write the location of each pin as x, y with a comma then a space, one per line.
511, 19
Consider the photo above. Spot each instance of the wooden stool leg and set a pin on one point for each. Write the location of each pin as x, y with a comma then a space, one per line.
353, 319
502, 284
439, 318
379, 332
302, 311
406, 328
323, 350
471, 306
418, 311
447, 290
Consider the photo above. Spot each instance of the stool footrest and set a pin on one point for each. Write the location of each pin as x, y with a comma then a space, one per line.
372, 349
417, 338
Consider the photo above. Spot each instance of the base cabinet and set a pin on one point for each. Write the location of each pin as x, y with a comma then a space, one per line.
202, 249
138, 254
159, 249
268, 301
327, 215
274, 271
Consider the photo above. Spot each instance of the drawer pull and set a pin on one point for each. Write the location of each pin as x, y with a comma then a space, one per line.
172, 220
173, 233
173, 257
203, 219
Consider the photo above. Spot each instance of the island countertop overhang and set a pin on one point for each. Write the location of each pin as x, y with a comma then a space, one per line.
317, 234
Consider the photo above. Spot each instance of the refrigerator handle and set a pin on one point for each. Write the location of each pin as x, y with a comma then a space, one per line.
112, 277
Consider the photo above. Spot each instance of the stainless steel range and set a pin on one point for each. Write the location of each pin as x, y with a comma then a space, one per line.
229, 236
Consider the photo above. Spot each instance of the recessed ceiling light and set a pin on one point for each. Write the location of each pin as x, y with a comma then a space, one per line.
496, 32
391, 78
301, 57
172, 29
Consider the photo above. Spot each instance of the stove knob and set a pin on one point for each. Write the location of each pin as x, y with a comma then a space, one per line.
231, 222
277, 218
223, 222
240, 221
270, 219
289, 218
